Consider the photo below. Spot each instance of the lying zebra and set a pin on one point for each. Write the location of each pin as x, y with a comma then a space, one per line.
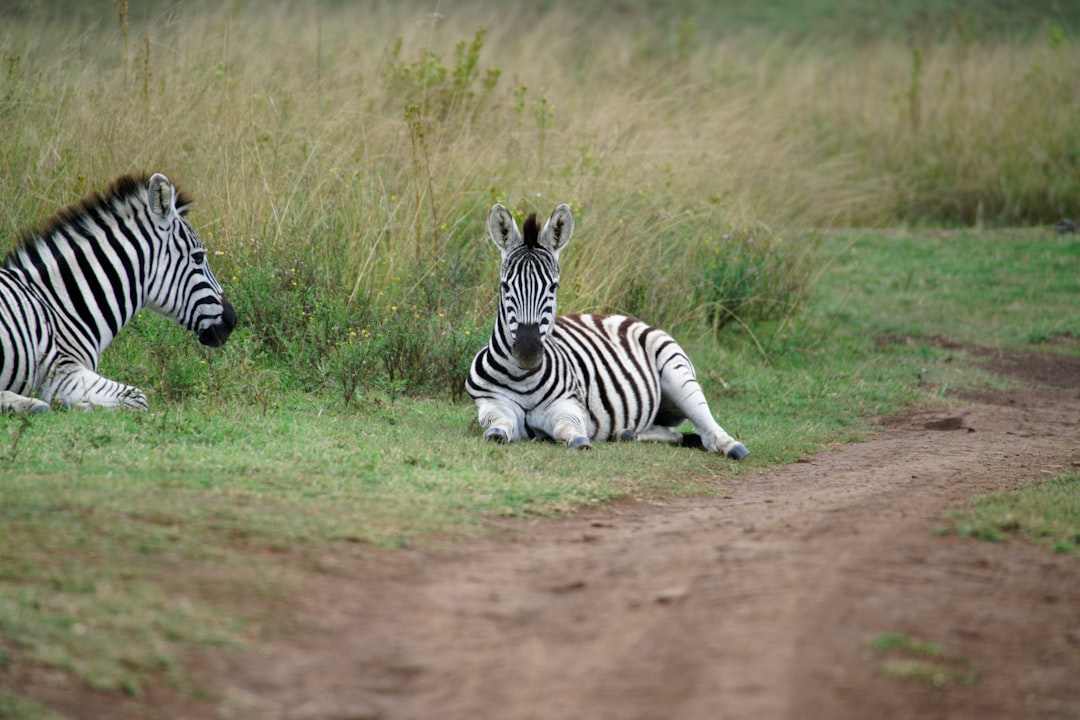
67, 289
578, 378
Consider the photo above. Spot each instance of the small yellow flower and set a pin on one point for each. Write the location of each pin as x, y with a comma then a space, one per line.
393, 308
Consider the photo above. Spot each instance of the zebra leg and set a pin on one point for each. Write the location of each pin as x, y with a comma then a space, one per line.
82, 388
501, 422
564, 420
659, 433
11, 402
679, 388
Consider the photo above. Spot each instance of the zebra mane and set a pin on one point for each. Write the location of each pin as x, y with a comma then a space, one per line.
531, 232
119, 191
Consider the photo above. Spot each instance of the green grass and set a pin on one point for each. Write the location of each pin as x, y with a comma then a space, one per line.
1046, 512
1016, 287
342, 181
914, 658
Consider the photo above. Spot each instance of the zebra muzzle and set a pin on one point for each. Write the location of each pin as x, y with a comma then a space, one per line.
528, 348
216, 334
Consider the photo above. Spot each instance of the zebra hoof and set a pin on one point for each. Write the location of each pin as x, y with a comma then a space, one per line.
496, 435
627, 435
38, 408
738, 452
580, 443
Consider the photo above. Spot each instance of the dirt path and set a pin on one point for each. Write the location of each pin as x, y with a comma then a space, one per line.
756, 605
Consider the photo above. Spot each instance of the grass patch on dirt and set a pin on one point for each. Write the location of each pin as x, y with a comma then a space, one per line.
16, 707
914, 658
1046, 512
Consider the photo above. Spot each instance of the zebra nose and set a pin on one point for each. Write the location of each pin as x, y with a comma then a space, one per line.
528, 348
215, 335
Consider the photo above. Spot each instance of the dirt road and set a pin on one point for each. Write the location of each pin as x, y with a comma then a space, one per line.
757, 605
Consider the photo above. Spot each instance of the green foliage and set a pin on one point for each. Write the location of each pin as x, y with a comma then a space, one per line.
298, 334
753, 277
438, 91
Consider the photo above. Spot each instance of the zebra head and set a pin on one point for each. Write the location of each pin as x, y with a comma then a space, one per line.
182, 287
529, 279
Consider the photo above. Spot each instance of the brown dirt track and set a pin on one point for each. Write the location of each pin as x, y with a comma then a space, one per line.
759, 604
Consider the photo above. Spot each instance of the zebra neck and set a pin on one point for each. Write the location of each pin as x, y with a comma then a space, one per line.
92, 293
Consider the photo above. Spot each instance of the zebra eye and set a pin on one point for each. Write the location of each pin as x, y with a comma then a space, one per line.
554, 286
198, 257
505, 287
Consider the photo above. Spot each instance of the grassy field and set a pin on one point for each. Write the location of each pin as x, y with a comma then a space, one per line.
343, 170
126, 537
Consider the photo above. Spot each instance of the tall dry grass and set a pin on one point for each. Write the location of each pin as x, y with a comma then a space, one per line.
355, 149
285, 127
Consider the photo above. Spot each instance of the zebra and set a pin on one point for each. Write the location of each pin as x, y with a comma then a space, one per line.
583, 377
67, 289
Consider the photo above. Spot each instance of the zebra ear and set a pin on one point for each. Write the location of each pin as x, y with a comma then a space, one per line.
162, 195
502, 229
558, 228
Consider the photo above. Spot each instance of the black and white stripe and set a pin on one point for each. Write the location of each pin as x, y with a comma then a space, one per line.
67, 289
577, 378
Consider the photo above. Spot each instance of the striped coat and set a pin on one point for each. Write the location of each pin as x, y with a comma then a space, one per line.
68, 289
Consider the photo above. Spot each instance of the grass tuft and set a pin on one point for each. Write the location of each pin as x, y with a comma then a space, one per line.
929, 662
1046, 512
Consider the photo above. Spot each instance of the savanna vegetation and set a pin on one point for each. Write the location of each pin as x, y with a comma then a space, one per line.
344, 156
757, 180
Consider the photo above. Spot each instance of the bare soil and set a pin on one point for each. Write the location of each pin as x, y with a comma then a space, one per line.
759, 604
